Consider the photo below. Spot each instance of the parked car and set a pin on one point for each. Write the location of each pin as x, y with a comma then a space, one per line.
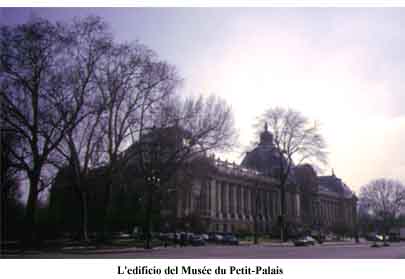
164, 236
119, 235
230, 239
319, 238
171, 236
215, 237
189, 236
376, 237
394, 238
197, 240
205, 236
304, 241
402, 233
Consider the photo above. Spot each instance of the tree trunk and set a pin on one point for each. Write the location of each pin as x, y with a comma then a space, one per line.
148, 220
385, 233
79, 178
30, 235
107, 212
255, 237
84, 217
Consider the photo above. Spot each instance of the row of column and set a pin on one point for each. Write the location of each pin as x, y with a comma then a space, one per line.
330, 211
293, 205
337, 211
225, 200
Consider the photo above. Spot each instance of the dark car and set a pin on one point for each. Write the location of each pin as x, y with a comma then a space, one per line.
320, 238
375, 237
230, 239
215, 237
197, 240
394, 238
304, 241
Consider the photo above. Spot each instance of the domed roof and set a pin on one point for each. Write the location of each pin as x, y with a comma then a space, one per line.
264, 157
266, 138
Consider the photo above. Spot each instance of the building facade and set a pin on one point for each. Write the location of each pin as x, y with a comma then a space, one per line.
237, 198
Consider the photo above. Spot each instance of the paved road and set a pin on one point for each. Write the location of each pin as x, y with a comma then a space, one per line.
349, 251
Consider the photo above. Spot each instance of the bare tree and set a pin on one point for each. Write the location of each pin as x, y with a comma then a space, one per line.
383, 199
9, 178
183, 130
131, 81
82, 144
38, 103
9, 184
296, 140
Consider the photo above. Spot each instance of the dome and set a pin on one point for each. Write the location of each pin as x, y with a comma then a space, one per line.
264, 157
266, 138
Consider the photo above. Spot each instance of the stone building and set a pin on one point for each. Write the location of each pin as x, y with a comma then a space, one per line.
235, 198
327, 202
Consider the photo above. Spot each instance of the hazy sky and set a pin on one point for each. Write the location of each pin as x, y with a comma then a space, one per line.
341, 66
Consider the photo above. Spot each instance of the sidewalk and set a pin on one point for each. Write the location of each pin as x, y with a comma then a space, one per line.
291, 244
110, 250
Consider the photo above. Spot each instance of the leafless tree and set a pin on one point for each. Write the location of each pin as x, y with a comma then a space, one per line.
81, 146
182, 130
38, 103
383, 199
70, 93
9, 183
296, 140
9, 174
131, 81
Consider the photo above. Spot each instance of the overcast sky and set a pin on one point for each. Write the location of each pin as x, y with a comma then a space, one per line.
341, 66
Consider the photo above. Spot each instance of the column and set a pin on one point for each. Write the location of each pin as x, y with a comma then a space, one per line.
219, 200
271, 210
248, 204
231, 200
226, 200
268, 204
179, 206
268, 214
287, 198
190, 202
213, 197
207, 198
238, 201
235, 198
242, 201
278, 195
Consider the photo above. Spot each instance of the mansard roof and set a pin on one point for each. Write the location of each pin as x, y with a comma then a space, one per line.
334, 185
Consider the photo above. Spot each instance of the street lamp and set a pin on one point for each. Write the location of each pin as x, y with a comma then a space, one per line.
167, 212
371, 213
152, 182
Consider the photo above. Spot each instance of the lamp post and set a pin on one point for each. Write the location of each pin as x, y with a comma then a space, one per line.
152, 182
166, 212
370, 212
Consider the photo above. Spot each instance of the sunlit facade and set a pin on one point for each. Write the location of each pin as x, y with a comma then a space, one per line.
236, 198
